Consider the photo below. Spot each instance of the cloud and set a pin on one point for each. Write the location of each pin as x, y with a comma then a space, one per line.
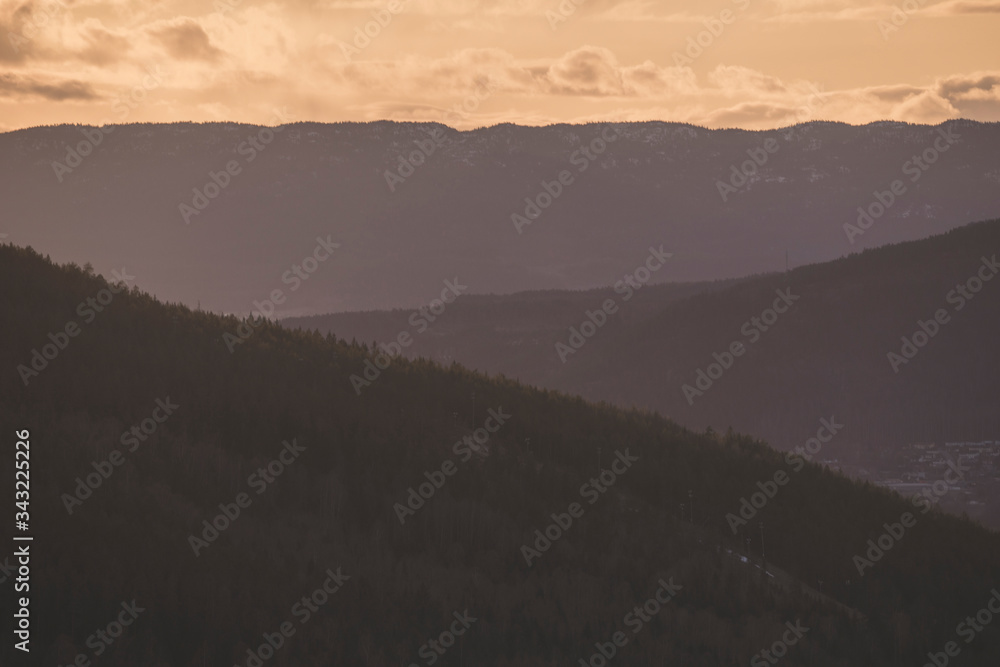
736, 79
727, 96
863, 13
446, 11
925, 107
24, 87
18, 26
645, 11
50, 31
957, 7
976, 86
185, 39
437, 53
102, 46
455, 117
752, 114
216, 110
801, 11
585, 71
652, 80
896, 93
975, 95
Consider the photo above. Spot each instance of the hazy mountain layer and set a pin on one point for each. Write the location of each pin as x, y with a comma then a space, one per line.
768, 355
226, 214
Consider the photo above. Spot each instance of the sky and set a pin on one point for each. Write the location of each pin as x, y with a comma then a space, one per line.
754, 64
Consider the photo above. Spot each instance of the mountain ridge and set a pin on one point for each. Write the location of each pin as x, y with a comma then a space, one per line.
134, 200
335, 508
838, 326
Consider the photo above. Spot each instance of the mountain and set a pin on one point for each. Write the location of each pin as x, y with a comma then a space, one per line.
225, 214
828, 353
249, 507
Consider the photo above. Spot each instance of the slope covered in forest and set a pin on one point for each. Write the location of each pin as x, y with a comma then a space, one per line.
829, 350
150, 394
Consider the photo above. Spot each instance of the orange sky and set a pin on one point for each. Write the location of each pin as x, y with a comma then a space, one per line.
759, 64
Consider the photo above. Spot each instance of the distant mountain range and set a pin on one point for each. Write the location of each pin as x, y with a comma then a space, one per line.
767, 355
504, 208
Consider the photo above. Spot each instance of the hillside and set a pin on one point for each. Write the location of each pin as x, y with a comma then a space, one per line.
150, 392
827, 353
222, 213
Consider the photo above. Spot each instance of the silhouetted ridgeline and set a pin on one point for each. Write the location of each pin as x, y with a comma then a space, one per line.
828, 353
241, 211
331, 506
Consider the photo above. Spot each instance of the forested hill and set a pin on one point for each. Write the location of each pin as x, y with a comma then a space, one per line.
150, 394
828, 351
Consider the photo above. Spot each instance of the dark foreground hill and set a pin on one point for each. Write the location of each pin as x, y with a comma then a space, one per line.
144, 401
829, 352
221, 213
